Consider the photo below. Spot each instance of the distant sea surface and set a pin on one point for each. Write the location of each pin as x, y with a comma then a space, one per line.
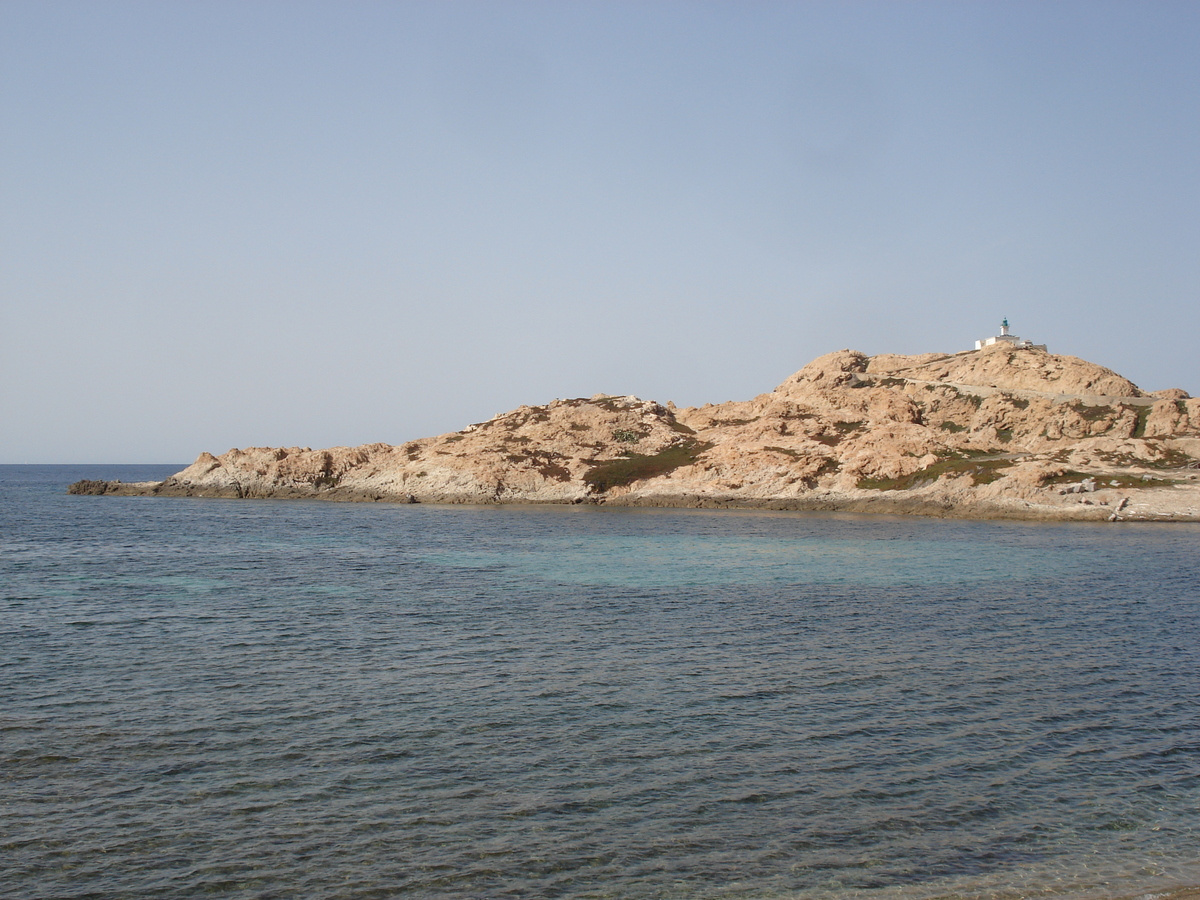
259, 699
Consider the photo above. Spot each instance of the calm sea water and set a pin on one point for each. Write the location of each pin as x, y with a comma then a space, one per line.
254, 699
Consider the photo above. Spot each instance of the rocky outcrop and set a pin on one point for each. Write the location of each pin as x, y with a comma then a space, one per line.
994, 432
1008, 368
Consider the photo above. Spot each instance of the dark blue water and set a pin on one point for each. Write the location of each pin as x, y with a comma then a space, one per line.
253, 699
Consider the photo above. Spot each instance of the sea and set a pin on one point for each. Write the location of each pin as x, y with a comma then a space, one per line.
289, 699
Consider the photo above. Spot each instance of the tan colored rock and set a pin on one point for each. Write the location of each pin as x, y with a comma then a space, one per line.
1171, 394
1169, 417
894, 363
1004, 367
995, 432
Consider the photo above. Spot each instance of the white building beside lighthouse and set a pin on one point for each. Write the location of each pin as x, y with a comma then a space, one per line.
1011, 339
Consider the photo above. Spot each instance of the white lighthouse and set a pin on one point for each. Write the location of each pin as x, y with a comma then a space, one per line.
1011, 339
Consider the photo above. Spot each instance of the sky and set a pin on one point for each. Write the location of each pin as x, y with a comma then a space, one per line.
231, 224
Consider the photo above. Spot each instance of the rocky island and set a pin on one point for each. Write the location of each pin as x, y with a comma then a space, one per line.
1007, 430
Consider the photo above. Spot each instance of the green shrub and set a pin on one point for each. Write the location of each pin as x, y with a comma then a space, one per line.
638, 466
1143, 413
1102, 481
982, 471
1092, 413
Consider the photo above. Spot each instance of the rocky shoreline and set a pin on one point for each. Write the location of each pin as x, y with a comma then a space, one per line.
997, 433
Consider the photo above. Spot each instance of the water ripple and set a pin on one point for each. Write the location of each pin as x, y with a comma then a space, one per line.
253, 700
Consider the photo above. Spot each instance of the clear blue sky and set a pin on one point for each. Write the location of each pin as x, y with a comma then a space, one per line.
286, 223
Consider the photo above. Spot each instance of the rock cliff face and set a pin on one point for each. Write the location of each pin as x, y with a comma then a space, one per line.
994, 432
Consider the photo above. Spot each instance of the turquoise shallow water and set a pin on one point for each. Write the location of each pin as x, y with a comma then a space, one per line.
268, 699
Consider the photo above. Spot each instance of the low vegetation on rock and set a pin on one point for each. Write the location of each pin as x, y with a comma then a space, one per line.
640, 467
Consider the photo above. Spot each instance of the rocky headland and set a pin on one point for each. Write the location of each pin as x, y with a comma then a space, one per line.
993, 433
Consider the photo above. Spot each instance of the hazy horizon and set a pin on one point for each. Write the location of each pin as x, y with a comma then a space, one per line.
308, 224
